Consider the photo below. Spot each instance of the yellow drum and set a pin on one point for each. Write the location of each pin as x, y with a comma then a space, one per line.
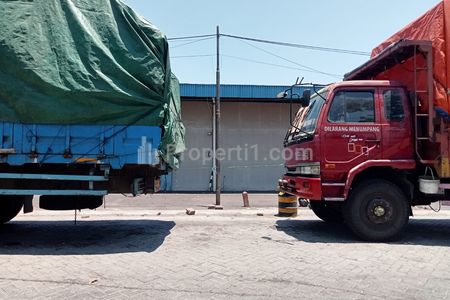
287, 205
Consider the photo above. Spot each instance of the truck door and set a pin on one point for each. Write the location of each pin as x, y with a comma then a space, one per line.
397, 142
352, 132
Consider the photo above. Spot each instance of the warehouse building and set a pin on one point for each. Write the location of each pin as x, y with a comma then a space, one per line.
253, 126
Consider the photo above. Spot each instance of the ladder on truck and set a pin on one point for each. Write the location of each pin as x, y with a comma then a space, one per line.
423, 119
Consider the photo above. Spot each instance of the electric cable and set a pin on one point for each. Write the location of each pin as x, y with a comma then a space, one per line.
276, 65
285, 44
191, 37
191, 42
293, 45
301, 46
193, 56
293, 62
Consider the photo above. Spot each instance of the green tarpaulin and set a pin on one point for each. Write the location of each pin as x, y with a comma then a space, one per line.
87, 62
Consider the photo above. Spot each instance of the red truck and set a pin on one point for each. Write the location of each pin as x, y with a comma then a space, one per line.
366, 150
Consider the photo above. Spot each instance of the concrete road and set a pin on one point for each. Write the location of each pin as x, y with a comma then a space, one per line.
153, 250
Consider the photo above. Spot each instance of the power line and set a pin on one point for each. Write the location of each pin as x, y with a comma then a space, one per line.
270, 64
193, 56
317, 48
191, 37
200, 38
293, 62
245, 59
192, 42
293, 45
307, 69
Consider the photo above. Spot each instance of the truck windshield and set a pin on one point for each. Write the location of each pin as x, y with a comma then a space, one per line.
305, 121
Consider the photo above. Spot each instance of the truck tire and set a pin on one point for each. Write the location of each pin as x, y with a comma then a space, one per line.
377, 210
10, 207
328, 212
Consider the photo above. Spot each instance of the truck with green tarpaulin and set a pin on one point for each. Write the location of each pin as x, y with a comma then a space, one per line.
88, 104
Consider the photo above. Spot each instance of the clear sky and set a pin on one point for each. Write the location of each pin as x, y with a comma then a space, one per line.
345, 24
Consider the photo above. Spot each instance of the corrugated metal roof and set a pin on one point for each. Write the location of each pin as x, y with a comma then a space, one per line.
189, 90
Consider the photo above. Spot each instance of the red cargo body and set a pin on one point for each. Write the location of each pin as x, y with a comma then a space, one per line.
433, 26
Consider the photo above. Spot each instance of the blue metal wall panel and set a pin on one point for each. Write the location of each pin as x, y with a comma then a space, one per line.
235, 91
114, 145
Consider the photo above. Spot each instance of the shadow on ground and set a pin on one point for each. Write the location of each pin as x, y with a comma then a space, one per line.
427, 232
86, 237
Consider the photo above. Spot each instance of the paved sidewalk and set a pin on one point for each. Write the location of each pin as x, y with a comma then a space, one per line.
180, 201
150, 253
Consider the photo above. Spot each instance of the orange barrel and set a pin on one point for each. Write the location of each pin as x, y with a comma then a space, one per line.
287, 205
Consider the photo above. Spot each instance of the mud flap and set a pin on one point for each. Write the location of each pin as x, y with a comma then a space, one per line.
28, 205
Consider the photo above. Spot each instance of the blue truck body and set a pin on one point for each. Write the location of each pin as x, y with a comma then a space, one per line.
78, 160
115, 146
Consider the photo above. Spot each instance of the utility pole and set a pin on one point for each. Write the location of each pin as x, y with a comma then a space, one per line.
217, 120
213, 142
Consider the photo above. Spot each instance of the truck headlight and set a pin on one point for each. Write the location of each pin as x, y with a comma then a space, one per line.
305, 169
310, 170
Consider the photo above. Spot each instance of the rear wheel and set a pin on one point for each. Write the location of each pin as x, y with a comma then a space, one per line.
10, 207
328, 211
377, 210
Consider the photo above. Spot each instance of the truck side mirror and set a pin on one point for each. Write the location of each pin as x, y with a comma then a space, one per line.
282, 95
306, 98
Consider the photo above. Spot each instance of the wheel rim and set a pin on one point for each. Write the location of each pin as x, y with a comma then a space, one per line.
379, 210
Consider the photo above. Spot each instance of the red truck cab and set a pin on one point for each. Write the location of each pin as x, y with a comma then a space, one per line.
359, 151
358, 124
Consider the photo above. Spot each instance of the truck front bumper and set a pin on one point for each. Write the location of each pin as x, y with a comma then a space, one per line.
302, 187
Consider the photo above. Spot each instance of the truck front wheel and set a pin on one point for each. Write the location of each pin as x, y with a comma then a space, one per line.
377, 210
327, 211
10, 207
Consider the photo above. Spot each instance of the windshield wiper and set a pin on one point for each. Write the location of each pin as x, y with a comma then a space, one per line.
291, 136
308, 134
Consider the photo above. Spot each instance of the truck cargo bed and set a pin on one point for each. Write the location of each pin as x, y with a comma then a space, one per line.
114, 145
